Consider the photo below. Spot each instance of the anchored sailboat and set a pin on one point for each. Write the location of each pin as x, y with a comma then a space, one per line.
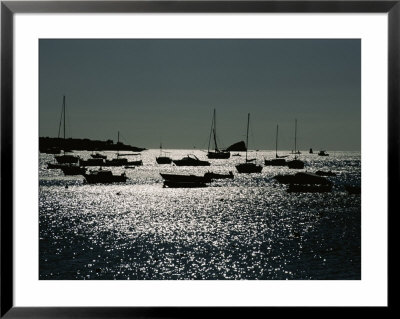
65, 159
248, 166
296, 163
278, 160
163, 158
217, 153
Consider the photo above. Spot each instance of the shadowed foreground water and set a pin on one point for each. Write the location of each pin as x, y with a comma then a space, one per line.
245, 228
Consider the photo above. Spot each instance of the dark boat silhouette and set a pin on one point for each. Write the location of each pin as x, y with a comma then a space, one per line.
237, 154
296, 188
118, 161
278, 160
212, 175
248, 166
185, 178
184, 181
323, 153
92, 162
190, 160
72, 169
172, 184
296, 163
311, 151
303, 178
104, 177
217, 153
65, 158
163, 158
122, 162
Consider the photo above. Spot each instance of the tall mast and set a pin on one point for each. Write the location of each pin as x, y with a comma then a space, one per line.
247, 134
215, 133
64, 121
295, 137
118, 144
211, 131
276, 143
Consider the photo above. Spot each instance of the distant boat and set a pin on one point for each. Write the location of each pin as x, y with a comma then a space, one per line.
278, 160
92, 162
104, 176
172, 184
122, 161
190, 160
248, 166
184, 181
237, 154
212, 175
217, 153
303, 178
323, 153
295, 188
185, 178
296, 163
311, 151
71, 169
65, 159
163, 158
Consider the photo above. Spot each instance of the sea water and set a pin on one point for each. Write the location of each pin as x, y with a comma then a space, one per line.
248, 227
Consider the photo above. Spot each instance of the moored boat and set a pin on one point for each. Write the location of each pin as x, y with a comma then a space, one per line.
323, 153
185, 178
217, 153
296, 163
278, 160
190, 160
73, 170
303, 178
212, 175
163, 158
104, 176
248, 166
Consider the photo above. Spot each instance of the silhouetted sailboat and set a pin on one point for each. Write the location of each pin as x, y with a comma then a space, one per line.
248, 166
104, 176
65, 159
217, 153
278, 160
190, 160
163, 158
296, 163
122, 161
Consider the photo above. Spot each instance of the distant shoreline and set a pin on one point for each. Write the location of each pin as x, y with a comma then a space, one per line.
83, 144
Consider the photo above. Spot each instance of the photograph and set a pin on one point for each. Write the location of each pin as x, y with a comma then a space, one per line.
199, 159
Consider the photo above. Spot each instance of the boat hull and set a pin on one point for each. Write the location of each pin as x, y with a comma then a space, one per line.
73, 170
190, 163
67, 159
219, 155
295, 164
185, 178
175, 184
249, 168
275, 162
163, 160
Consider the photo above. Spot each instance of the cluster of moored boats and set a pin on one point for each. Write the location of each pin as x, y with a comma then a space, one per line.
300, 182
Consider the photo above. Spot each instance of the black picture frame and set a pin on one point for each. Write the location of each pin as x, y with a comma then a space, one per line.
9, 8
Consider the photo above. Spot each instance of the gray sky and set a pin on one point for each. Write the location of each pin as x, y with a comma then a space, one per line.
165, 91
